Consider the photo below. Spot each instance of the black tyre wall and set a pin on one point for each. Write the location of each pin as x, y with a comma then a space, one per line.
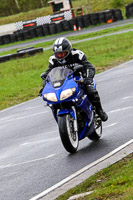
65, 25
46, 30
19, 36
26, 35
129, 10
79, 21
72, 23
117, 14
109, 15
1, 41
86, 20
59, 28
94, 18
101, 17
6, 39
32, 33
52, 28
12, 38
39, 31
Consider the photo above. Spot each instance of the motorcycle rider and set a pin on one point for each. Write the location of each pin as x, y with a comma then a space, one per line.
65, 55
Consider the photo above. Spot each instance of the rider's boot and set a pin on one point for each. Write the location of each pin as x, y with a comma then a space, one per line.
102, 114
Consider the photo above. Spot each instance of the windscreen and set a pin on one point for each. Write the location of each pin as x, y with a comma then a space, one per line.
58, 75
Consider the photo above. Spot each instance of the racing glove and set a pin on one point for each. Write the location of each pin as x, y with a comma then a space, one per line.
88, 81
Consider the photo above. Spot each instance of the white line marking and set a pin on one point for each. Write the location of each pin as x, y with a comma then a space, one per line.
33, 107
23, 163
121, 109
18, 105
33, 115
40, 141
110, 125
128, 97
75, 197
81, 171
5, 120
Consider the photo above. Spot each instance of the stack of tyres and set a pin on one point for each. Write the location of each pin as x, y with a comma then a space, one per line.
13, 38
6, 39
32, 33
46, 30
101, 17
5, 58
30, 51
1, 41
80, 21
73, 22
129, 10
39, 31
26, 35
66, 25
59, 27
94, 18
52, 28
117, 14
86, 20
19, 36
108, 15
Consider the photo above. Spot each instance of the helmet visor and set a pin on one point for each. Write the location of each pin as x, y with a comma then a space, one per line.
61, 55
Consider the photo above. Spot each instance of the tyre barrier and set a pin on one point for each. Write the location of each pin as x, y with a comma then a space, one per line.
86, 20
52, 28
21, 53
66, 25
129, 10
106, 16
94, 18
46, 30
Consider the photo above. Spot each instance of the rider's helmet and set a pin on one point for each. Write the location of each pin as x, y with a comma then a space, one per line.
62, 48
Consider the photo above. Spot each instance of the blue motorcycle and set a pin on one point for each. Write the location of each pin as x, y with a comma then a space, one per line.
64, 93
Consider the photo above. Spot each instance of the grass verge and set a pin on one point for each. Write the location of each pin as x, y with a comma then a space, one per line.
112, 183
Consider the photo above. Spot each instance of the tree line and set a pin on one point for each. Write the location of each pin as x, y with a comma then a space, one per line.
11, 7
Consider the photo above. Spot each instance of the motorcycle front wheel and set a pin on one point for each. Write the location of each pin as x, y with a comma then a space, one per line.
68, 136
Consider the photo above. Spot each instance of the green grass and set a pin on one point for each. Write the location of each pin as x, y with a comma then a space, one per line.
116, 183
20, 79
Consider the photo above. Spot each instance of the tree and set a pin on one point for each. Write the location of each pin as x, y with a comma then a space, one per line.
17, 5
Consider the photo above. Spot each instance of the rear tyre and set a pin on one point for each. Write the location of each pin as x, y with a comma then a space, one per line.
96, 135
68, 136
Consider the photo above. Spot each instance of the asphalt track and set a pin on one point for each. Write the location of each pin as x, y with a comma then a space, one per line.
32, 158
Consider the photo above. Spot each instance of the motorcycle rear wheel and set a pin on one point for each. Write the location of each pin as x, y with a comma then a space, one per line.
96, 135
68, 136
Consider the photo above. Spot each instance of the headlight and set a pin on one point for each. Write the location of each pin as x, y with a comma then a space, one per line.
67, 93
50, 96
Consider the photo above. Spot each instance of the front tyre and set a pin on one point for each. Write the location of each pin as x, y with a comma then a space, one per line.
68, 136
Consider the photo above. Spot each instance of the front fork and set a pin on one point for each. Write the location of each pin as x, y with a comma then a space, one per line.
75, 119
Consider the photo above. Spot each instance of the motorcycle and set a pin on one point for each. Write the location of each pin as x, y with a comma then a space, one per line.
64, 93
